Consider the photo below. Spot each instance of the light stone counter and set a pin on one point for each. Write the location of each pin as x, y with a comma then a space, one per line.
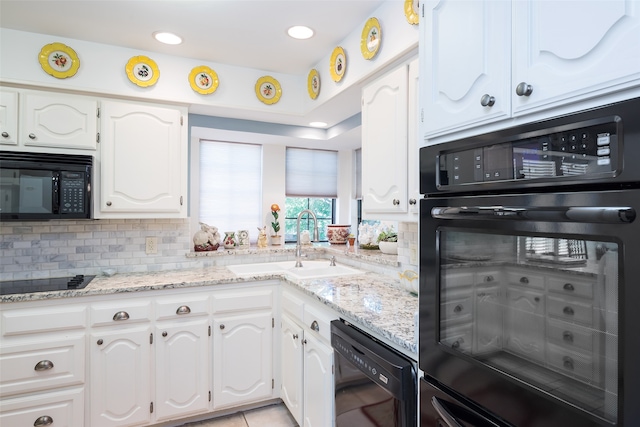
372, 300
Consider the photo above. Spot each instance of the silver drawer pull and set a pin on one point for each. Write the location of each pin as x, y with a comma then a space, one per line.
396, 202
489, 279
295, 336
5, 135
568, 311
524, 280
183, 309
458, 308
567, 362
164, 333
222, 326
44, 365
121, 315
32, 136
44, 420
567, 336
315, 326
568, 287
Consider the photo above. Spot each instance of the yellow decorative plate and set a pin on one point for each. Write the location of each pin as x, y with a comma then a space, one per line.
142, 71
59, 60
338, 64
203, 80
411, 11
313, 83
371, 38
268, 90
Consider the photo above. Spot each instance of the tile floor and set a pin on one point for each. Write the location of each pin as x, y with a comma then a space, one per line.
269, 416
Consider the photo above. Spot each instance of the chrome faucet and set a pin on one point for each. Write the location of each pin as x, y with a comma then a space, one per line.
315, 235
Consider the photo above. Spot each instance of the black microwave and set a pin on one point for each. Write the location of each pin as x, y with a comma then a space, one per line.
45, 186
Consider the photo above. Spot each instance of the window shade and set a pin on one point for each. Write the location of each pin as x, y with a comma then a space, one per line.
311, 173
230, 185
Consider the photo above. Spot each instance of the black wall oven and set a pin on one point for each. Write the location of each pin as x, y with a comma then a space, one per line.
530, 274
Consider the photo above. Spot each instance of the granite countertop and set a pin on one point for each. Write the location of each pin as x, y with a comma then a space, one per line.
372, 300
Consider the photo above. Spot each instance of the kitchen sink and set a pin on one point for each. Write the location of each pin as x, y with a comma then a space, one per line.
310, 269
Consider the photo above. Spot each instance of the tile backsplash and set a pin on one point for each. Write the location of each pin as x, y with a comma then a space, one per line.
33, 250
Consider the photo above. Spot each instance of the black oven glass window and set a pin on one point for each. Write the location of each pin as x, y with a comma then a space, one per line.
26, 191
541, 309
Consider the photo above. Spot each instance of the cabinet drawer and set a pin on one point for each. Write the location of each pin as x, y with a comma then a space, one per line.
489, 277
43, 319
570, 286
570, 335
457, 280
570, 310
570, 362
242, 299
120, 312
292, 305
526, 279
41, 365
458, 338
319, 320
64, 409
457, 311
182, 306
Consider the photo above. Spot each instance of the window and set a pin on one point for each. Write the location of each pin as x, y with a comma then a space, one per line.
311, 183
230, 185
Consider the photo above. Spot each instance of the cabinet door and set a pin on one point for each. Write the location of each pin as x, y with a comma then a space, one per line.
414, 139
56, 120
120, 377
465, 48
291, 367
487, 320
384, 144
143, 164
524, 323
242, 359
182, 369
569, 51
318, 383
8, 117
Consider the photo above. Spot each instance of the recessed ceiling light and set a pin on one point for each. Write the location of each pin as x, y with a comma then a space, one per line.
300, 32
318, 124
167, 38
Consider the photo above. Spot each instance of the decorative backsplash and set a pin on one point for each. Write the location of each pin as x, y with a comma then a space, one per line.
33, 250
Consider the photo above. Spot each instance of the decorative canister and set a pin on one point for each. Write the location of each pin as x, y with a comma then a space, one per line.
243, 238
338, 234
229, 240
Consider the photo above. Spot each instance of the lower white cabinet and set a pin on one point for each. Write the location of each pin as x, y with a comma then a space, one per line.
307, 363
62, 408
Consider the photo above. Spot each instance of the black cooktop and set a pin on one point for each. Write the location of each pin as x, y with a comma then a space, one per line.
44, 285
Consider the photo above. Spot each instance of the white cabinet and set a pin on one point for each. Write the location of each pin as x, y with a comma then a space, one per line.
389, 168
307, 363
143, 168
8, 117
243, 346
486, 61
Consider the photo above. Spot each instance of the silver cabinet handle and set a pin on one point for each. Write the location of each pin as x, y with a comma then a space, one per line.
567, 336
568, 311
121, 315
488, 279
44, 420
108, 203
295, 336
100, 341
567, 362
524, 89
43, 365
487, 100
304, 342
222, 326
412, 201
448, 418
164, 333
458, 308
315, 326
396, 202
183, 309
5, 134
32, 136
524, 280
568, 287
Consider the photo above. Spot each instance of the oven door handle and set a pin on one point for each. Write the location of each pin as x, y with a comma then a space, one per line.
446, 416
582, 214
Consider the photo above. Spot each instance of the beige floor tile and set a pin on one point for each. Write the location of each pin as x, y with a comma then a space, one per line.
235, 420
270, 416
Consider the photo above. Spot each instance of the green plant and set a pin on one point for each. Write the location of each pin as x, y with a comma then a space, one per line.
388, 236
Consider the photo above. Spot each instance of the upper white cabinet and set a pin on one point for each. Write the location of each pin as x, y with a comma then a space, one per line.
8, 117
389, 150
143, 168
485, 61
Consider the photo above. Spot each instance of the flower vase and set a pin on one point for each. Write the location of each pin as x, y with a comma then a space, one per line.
276, 240
229, 240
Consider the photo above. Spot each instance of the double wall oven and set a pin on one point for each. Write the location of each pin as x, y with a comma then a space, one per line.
530, 274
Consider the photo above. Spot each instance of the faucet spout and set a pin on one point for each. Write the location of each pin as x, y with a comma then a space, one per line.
315, 234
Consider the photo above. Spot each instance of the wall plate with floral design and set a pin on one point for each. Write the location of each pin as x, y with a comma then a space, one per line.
203, 80
338, 64
371, 38
313, 83
142, 71
268, 90
59, 60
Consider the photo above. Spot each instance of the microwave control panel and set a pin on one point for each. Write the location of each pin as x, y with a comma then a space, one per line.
571, 151
72, 192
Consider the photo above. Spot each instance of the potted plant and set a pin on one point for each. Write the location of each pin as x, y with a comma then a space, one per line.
276, 239
388, 241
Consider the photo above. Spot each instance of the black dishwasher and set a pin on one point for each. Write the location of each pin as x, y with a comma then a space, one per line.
374, 385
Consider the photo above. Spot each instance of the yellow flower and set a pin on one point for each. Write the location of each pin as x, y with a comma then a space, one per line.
275, 208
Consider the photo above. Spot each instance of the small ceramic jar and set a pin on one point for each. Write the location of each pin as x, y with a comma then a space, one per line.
229, 240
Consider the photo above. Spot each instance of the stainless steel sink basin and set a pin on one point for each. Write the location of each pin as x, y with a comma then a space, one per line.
310, 269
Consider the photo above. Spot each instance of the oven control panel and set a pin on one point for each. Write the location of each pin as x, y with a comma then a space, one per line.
580, 150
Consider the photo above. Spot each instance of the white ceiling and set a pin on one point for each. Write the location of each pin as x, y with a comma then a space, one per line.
246, 33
